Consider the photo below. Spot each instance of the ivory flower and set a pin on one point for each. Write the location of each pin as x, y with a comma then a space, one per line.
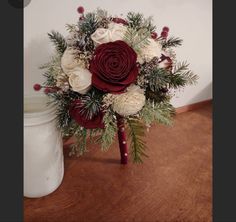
153, 49
113, 33
130, 102
80, 80
68, 61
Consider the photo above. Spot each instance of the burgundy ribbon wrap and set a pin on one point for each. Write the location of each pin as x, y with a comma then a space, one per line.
122, 140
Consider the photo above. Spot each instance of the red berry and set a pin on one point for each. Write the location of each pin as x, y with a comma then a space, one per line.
47, 90
80, 9
154, 35
37, 87
164, 34
165, 29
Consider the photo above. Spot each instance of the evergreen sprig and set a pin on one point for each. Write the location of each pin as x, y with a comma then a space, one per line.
59, 41
52, 70
109, 131
91, 103
172, 42
157, 112
182, 76
137, 144
137, 39
62, 102
158, 78
79, 148
89, 24
137, 21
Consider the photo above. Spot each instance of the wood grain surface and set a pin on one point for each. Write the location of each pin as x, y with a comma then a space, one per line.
173, 185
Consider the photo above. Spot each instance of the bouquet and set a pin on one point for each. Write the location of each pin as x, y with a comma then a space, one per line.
113, 75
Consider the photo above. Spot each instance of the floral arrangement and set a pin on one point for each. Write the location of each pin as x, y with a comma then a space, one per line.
110, 75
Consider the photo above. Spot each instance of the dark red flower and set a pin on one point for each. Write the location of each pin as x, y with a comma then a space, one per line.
165, 29
120, 21
37, 87
113, 66
80, 9
76, 113
164, 34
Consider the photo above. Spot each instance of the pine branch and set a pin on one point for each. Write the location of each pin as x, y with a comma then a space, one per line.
79, 148
157, 96
137, 21
137, 39
182, 76
62, 101
91, 103
137, 145
59, 41
157, 112
172, 42
158, 78
108, 134
89, 24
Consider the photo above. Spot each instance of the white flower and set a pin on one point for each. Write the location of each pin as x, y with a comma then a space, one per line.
130, 102
68, 61
80, 80
101, 36
153, 49
117, 31
113, 33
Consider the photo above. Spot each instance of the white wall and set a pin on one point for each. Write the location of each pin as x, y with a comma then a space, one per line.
188, 19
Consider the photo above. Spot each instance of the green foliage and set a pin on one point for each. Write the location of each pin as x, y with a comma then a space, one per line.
91, 103
53, 68
157, 96
108, 134
71, 27
89, 24
158, 78
59, 41
79, 148
157, 112
137, 39
172, 42
137, 144
138, 31
137, 21
182, 76
62, 102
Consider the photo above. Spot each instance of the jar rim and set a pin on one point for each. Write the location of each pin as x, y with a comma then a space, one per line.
37, 105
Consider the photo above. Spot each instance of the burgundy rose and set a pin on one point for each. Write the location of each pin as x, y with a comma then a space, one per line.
77, 114
113, 66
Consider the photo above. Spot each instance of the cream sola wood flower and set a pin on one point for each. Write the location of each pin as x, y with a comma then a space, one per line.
80, 80
79, 76
113, 33
69, 61
147, 53
130, 102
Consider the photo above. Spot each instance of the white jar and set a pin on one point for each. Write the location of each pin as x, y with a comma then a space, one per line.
43, 152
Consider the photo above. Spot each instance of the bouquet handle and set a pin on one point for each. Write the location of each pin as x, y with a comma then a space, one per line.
122, 140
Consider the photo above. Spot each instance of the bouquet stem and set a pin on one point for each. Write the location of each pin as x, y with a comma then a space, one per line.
122, 140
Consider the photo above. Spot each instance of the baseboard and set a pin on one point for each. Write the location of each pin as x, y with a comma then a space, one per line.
193, 106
